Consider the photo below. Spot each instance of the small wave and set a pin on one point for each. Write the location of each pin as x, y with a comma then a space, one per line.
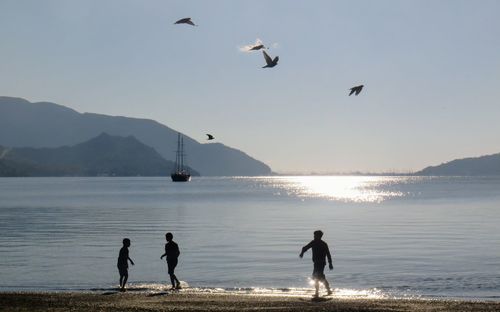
158, 289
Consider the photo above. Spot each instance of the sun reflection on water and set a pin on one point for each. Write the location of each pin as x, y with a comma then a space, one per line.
341, 188
162, 289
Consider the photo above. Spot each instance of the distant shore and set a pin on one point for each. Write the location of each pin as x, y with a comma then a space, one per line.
113, 301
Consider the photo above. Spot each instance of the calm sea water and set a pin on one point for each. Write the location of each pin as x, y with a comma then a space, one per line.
390, 236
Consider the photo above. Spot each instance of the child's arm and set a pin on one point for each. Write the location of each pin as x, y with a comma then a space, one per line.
305, 248
128, 258
165, 254
329, 256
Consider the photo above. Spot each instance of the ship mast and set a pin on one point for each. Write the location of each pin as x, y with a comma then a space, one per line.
177, 153
182, 154
180, 174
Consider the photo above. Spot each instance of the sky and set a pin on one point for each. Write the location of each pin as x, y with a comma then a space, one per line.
431, 71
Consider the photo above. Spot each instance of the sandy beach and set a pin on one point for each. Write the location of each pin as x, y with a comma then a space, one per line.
112, 301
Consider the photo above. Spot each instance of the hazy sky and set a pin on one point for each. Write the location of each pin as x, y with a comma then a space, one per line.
431, 71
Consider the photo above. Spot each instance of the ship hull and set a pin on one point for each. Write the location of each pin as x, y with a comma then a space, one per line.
180, 177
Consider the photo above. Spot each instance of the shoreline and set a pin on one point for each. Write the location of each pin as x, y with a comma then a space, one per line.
186, 301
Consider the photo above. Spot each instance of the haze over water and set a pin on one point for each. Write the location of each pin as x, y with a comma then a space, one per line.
390, 236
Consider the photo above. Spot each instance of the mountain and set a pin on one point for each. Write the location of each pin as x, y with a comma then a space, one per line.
103, 155
478, 166
44, 124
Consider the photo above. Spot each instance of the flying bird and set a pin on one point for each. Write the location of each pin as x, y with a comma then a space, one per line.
270, 62
356, 90
257, 47
210, 137
186, 20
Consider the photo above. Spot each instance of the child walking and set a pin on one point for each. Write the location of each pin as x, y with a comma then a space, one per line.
122, 264
320, 252
172, 253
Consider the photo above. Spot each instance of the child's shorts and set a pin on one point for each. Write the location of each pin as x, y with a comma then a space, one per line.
319, 271
123, 270
171, 264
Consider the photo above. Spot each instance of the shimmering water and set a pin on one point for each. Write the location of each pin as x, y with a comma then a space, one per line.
391, 236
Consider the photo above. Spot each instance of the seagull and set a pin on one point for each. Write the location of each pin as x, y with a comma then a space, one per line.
186, 20
257, 47
356, 90
270, 62
210, 137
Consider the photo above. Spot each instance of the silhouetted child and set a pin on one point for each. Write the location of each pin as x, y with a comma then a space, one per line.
172, 253
320, 251
123, 259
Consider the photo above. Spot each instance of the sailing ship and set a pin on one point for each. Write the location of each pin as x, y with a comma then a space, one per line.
181, 173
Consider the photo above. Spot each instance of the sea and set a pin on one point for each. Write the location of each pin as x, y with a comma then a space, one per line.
390, 236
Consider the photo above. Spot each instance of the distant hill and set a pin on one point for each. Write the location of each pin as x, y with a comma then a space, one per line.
103, 155
478, 166
43, 124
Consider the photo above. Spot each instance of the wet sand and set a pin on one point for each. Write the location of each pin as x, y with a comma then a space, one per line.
113, 301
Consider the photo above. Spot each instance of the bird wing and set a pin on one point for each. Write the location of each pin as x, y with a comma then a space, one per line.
269, 61
352, 91
210, 137
276, 59
358, 89
186, 20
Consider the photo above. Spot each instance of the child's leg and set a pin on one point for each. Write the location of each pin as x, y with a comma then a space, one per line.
178, 282
121, 281
316, 285
172, 279
125, 278
327, 286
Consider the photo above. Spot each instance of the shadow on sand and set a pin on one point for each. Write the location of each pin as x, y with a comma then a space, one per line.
316, 299
163, 293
